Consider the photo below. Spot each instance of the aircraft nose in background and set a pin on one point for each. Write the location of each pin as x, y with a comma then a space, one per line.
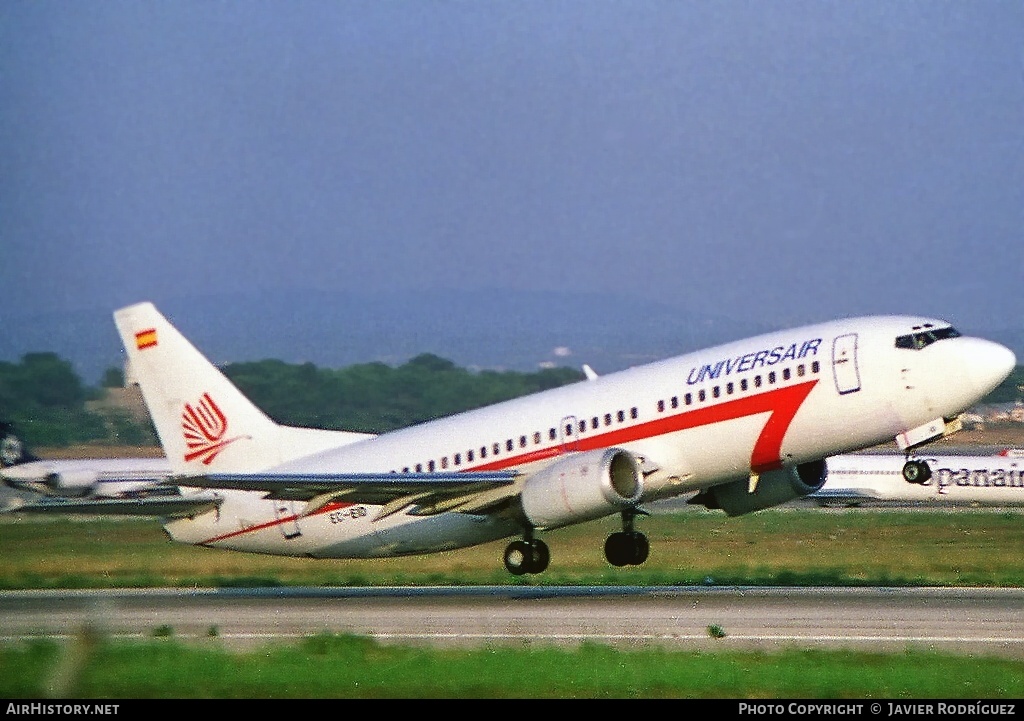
988, 364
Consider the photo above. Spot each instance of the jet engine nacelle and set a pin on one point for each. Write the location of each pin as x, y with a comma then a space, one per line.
583, 487
773, 488
72, 483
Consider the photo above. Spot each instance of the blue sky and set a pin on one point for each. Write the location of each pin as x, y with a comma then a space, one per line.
778, 161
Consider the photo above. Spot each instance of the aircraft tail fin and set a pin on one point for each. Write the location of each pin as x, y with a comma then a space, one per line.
204, 422
12, 449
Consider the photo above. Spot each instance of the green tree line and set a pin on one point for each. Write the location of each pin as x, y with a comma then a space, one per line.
47, 401
375, 397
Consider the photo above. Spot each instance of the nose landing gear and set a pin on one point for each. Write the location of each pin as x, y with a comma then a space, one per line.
917, 472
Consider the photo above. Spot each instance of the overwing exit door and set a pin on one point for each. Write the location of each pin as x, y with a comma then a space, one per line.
569, 434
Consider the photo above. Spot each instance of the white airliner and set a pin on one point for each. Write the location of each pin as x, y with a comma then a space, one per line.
747, 425
949, 480
78, 478
89, 477
128, 485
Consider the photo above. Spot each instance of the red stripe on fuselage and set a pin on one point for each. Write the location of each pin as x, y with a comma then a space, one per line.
326, 508
782, 403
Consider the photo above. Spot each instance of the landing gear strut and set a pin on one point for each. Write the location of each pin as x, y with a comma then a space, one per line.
531, 555
628, 547
917, 472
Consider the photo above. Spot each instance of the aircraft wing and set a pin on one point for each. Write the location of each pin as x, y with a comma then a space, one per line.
154, 506
428, 493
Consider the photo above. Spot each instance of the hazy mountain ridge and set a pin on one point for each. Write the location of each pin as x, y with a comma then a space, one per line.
516, 330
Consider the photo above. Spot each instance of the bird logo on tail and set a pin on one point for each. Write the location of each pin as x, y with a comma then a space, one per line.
204, 426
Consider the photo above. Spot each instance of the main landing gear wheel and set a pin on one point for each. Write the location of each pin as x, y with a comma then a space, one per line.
629, 547
916, 472
626, 548
530, 556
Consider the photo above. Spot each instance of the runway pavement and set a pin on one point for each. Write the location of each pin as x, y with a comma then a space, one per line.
970, 621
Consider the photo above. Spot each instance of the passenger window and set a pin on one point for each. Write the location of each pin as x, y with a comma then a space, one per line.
757, 381
444, 462
689, 399
771, 377
419, 468
594, 422
786, 374
509, 445
536, 437
634, 413
743, 384
815, 367
661, 406
496, 448
728, 388
620, 416
469, 456
675, 401
607, 419
716, 392
800, 370
552, 434
430, 466
701, 395
522, 441
583, 426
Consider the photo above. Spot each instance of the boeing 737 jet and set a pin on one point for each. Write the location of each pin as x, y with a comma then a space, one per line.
744, 426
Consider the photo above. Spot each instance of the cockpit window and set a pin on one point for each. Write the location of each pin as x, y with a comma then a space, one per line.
922, 338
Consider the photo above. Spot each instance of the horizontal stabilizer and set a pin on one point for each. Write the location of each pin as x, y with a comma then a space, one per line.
159, 507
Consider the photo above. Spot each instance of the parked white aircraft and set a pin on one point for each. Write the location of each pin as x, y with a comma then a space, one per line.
953, 480
747, 424
79, 478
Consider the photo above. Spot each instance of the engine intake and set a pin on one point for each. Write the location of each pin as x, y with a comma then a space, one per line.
773, 488
582, 487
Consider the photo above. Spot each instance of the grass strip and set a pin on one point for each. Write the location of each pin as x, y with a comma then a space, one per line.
331, 666
793, 547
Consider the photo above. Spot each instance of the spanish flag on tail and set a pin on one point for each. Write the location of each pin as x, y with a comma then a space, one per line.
145, 339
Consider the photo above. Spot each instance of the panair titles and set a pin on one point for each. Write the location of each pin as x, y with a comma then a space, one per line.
750, 361
943, 478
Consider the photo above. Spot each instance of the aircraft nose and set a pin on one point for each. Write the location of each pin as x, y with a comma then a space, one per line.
988, 364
